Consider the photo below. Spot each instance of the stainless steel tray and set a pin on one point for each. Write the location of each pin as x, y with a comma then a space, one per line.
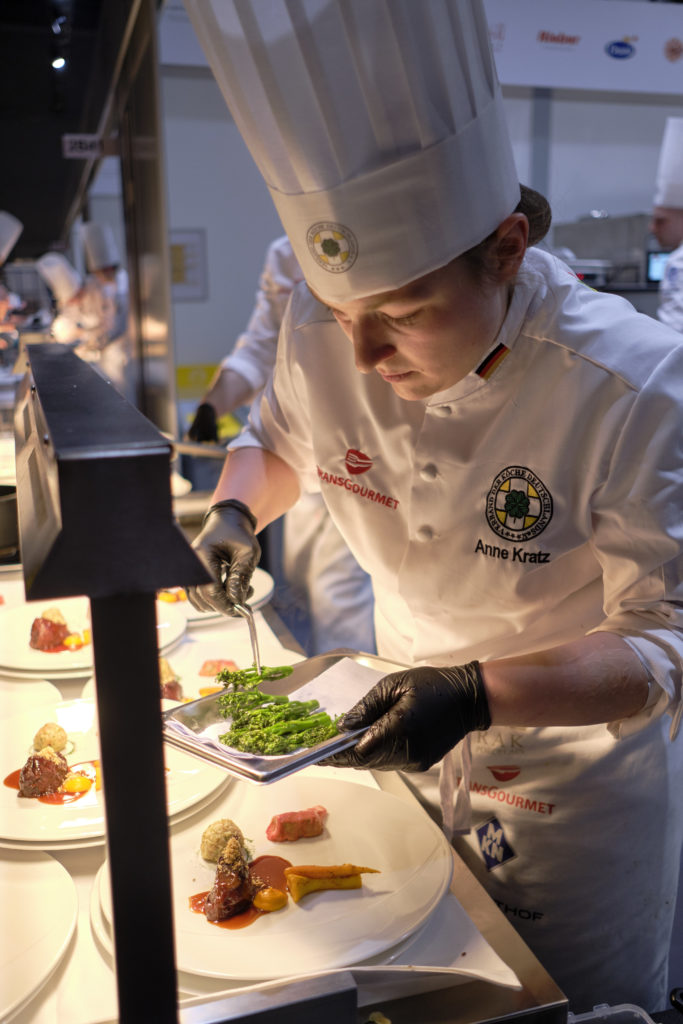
198, 715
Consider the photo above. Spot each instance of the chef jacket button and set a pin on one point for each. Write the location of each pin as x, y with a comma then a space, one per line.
429, 472
443, 410
425, 533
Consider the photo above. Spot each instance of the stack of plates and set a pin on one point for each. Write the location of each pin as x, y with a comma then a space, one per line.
39, 912
327, 930
19, 660
31, 825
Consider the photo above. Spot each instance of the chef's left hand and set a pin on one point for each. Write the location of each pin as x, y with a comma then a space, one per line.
415, 717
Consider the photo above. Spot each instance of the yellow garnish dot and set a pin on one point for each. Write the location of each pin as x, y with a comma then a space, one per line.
76, 784
73, 641
270, 899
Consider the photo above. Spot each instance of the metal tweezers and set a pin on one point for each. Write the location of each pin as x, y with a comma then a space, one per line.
248, 614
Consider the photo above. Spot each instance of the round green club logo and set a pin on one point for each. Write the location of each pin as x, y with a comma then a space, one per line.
518, 506
332, 246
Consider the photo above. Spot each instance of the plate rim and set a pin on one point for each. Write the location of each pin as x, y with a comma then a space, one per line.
61, 948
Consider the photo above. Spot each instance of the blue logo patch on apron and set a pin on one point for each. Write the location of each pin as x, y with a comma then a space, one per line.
494, 847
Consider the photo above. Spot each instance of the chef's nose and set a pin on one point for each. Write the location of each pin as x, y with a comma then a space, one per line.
370, 343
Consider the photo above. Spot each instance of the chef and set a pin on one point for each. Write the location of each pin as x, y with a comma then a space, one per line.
10, 232
667, 222
331, 596
502, 449
104, 264
84, 314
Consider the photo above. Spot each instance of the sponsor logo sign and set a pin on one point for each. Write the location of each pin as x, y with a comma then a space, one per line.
504, 772
495, 849
357, 462
673, 49
620, 49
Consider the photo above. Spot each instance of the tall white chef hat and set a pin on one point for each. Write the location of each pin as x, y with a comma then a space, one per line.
10, 229
100, 246
378, 126
669, 181
62, 278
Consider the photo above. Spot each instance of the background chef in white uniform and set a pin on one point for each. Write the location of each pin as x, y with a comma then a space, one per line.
330, 601
10, 232
502, 449
667, 222
103, 262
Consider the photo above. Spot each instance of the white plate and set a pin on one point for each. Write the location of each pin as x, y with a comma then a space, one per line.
263, 584
17, 656
18, 694
188, 782
39, 911
326, 929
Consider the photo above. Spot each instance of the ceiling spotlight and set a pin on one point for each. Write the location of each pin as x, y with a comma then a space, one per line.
58, 63
57, 24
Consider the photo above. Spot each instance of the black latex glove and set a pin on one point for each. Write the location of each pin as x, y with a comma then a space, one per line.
204, 426
415, 716
228, 548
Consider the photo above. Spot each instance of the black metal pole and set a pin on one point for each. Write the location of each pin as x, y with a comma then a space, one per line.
133, 773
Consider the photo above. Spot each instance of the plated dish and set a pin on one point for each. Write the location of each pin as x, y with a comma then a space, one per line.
334, 928
39, 913
17, 657
25, 820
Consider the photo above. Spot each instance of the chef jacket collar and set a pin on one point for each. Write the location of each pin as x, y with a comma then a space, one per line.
496, 356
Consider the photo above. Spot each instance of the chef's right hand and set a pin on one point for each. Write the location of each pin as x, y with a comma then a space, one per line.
228, 548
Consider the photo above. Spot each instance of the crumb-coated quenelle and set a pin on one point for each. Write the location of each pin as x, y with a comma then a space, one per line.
216, 836
50, 735
43, 773
233, 890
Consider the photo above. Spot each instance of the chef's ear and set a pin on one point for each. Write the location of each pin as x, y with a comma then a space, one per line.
510, 243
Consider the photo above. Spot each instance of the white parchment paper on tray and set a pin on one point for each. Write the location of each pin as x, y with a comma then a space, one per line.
195, 727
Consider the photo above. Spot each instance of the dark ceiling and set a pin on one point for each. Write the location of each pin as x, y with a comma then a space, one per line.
39, 104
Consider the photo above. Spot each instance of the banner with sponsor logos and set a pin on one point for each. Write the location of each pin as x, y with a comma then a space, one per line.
620, 45
614, 45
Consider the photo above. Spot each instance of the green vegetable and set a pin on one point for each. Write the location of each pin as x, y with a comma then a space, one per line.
264, 723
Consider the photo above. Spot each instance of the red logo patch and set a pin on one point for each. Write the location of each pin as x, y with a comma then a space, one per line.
357, 462
504, 772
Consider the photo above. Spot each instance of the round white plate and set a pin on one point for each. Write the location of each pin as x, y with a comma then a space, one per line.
193, 984
22, 820
39, 912
19, 694
263, 584
17, 656
325, 929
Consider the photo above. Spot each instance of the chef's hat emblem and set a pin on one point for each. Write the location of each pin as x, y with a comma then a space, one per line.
332, 246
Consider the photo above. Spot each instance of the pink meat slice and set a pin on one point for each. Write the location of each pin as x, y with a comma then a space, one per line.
292, 825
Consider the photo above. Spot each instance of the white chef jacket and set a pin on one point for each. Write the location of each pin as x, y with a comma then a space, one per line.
535, 501
670, 309
317, 563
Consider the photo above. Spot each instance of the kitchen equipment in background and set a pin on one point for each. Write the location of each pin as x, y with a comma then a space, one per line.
9, 526
606, 251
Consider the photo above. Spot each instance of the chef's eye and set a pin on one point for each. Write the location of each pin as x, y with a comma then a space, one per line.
404, 321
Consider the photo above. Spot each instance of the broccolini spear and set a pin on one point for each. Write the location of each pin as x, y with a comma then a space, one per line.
264, 723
